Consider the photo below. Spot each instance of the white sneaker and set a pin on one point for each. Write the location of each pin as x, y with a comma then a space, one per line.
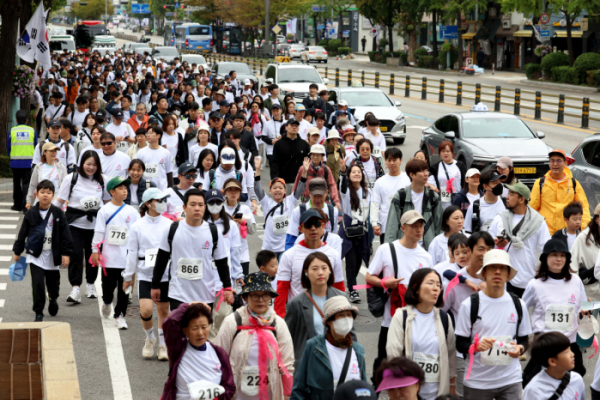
148, 350
106, 309
90, 291
75, 296
121, 323
162, 353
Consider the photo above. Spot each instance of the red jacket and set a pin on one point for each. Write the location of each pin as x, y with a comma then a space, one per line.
323, 172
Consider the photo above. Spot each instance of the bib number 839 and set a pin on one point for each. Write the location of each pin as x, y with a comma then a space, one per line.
281, 225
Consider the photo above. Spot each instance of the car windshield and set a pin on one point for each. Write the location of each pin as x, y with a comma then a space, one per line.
166, 51
496, 128
366, 99
316, 48
59, 45
199, 30
240, 68
194, 59
309, 75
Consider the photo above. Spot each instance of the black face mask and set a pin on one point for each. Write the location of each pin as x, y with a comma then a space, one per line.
498, 190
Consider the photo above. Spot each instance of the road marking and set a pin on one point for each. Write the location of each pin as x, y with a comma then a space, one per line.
114, 351
2, 218
4, 271
8, 236
5, 247
8, 211
2, 302
2, 286
5, 258
6, 204
8, 227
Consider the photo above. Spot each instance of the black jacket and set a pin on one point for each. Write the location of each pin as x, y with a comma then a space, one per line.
561, 234
313, 105
142, 186
288, 156
248, 143
433, 171
461, 200
62, 242
214, 139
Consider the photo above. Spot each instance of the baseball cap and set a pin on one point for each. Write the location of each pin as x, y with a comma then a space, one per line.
227, 77
234, 184
588, 327
117, 181
521, 189
490, 175
411, 217
355, 390
118, 114
313, 131
497, 256
186, 167
228, 156
317, 186
557, 152
308, 214
316, 149
224, 103
49, 146
276, 105
247, 82
54, 124
293, 121
152, 120
505, 162
343, 103
471, 172
221, 92
300, 107
18, 270
214, 195
215, 114
153, 194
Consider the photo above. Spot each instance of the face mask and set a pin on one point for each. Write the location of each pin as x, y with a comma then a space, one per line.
343, 326
498, 189
160, 207
177, 112
215, 208
241, 105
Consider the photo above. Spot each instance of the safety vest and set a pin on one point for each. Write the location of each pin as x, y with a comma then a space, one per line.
22, 139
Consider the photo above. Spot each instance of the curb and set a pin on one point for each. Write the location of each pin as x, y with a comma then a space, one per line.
550, 85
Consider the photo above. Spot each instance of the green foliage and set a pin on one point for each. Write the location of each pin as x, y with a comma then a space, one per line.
92, 11
404, 57
382, 44
425, 61
446, 46
418, 53
342, 51
565, 74
531, 69
5, 171
593, 78
552, 60
586, 62
443, 56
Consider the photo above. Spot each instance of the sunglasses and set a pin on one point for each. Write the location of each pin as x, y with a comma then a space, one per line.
106, 143
312, 223
190, 176
228, 157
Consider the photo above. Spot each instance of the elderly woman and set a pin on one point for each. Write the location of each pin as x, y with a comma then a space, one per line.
332, 358
50, 168
192, 358
305, 311
401, 378
259, 344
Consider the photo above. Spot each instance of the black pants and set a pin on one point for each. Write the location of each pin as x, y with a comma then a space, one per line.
532, 368
381, 351
112, 280
595, 394
173, 304
246, 268
41, 281
21, 178
270, 158
382, 239
82, 250
514, 290
353, 263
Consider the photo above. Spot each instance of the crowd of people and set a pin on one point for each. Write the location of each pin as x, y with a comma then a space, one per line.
150, 175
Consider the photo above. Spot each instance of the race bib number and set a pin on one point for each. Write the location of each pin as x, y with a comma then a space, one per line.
205, 390
151, 171
430, 363
123, 146
90, 203
280, 224
150, 257
376, 152
180, 212
371, 183
251, 380
189, 268
497, 355
47, 241
117, 235
446, 197
559, 317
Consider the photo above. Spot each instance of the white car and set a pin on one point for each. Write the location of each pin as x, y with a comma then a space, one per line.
315, 53
294, 79
297, 51
195, 58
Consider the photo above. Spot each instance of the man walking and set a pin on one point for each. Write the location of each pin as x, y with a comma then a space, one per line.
20, 147
363, 41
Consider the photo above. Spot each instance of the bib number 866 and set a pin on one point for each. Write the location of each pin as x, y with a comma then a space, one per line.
189, 269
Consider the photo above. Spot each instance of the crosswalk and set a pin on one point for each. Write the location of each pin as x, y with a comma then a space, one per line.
7, 237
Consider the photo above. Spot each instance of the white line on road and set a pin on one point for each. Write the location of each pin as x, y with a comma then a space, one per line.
5, 258
2, 218
114, 351
2, 302
8, 227
6, 204
5, 247
7, 211
3, 286
8, 236
4, 271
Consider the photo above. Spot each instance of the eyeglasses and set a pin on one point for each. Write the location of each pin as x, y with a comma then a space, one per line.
557, 161
258, 297
190, 176
228, 157
312, 223
106, 143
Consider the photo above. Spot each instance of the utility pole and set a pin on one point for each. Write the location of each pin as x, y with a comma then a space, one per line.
106, 12
267, 45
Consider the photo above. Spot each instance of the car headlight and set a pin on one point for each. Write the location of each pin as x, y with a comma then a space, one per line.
484, 157
400, 118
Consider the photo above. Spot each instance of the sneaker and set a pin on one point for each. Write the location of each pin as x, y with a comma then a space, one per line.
162, 353
53, 308
148, 350
106, 308
39, 318
354, 297
121, 323
90, 291
75, 296
523, 357
16, 208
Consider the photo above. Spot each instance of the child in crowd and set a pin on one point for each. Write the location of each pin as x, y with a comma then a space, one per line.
573, 215
460, 256
266, 260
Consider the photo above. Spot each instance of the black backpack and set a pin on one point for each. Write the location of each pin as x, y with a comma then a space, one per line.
475, 311
213, 232
74, 182
573, 182
378, 296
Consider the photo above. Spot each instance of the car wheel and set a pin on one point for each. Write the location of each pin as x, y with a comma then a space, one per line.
398, 140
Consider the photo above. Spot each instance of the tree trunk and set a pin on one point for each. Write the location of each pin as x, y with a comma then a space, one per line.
434, 34
570, 40
315, 30
460, 42
412, 45
390, 33
341, 28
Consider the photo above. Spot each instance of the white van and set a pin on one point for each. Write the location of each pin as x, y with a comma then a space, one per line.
104, 41
59, 43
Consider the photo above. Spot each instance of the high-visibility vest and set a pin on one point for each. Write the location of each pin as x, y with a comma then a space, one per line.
22, 139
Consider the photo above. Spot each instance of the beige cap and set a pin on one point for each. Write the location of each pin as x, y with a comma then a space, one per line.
410, 217
232, 184
313, 131
471, 172
49, 146
597, 210
505, 162
333, 134
497, 256
337, 304
317, 149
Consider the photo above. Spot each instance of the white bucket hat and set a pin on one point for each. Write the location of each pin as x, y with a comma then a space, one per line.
497, 256
333, 134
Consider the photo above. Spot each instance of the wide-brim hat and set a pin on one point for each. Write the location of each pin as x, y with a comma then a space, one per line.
259, 282
555, 245
588, 328
497, 256
336, 305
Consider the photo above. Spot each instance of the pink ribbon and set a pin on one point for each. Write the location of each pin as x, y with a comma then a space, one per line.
449, 187
265, 340
455, 281
244, 230
472, 350
222, 293
367, 286
595, 347
101, 258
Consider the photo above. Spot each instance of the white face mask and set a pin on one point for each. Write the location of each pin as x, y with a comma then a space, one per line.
215, 208
241, 105
160, 207
177, 112
343, 326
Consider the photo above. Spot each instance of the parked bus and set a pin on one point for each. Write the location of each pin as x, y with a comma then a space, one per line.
194, 37
59, 43
85, 31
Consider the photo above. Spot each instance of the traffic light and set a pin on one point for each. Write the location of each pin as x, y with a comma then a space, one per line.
182, 6
165, 7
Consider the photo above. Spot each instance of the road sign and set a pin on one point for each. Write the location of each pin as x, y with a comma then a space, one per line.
320, 27
449, 31
276, 29
545, 34
346, 33
140, 8
194, 8
544, 18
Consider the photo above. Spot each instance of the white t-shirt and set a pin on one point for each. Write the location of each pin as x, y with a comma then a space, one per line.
443, 267
472, 197
194, 243
295, 219
303, 129
332, 239
384, 190
417, 200
87, 195
409, 260
145, 246
543, 386
51, 173
571, 240
487, 212
232, 241
65, 157
115, 234
92, 148
54, 112
171, 143
197, 365
85, 137
276, 241
438, 248
337, 356
459, 293
249, 218
453, 173
370, 171
115, 165
174, 202
555, 305
379, 145
498, 319
45, 260
77, 117
158, 165
123, 130
525, 259
221, 175
290, 266
197, 149
272, 129
361, 213
425, 341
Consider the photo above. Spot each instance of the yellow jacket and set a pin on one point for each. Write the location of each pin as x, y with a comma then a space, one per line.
555, 197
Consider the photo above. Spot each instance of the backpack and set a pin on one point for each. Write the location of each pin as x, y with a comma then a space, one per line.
431, 201
74, 182
378, 296
475, 310
329, 212
177, 192
443, 317
213, 231
238, 322
573, 182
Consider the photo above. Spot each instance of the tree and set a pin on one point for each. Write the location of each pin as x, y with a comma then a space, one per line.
92, 11
339, 7
571, 9
433, 7
382, 12
455, 8
367, 9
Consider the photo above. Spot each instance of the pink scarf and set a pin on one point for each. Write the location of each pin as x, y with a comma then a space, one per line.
449, 187
101, 259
